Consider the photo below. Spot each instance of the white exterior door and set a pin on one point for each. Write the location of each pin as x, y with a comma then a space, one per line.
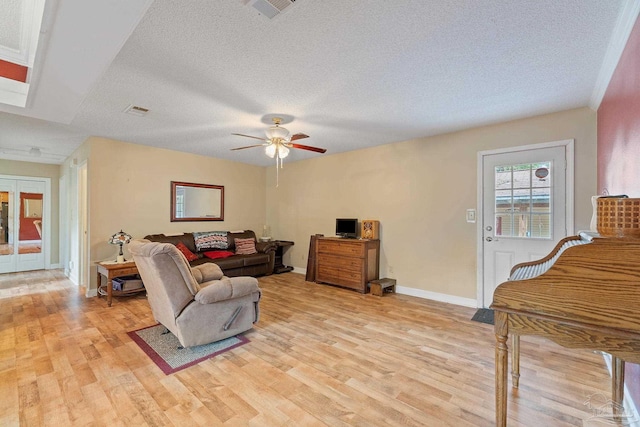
524, 209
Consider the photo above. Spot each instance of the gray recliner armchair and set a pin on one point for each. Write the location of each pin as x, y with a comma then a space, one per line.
198, 305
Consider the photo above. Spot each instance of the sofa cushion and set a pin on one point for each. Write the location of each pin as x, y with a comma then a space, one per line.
255, 259
186, 238
218, 254
235, 261
245, 246
210, 240
190, 256
245, 234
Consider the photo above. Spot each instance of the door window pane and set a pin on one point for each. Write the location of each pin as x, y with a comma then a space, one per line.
523, 200
6, 226
30, 232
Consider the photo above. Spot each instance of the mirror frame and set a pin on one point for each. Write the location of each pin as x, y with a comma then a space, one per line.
176, 184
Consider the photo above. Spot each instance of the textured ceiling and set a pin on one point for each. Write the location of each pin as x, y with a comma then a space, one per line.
352, 74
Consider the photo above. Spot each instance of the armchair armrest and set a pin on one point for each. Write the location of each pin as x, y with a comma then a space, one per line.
226, 289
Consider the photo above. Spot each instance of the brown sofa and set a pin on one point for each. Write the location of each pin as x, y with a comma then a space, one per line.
236, 265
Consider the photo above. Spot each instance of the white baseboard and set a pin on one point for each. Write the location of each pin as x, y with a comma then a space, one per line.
73, 279
54, 266
436, 296
91, 293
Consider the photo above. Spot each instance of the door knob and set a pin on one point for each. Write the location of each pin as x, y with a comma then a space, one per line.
489, 239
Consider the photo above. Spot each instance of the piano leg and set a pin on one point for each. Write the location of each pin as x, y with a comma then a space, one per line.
515, 360
617, 384
501, 330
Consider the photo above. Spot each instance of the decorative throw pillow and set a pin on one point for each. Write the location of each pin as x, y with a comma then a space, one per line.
190, 256
246, 246
210, 240
218, 254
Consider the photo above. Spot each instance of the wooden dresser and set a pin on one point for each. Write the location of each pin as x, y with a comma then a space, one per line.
351, 263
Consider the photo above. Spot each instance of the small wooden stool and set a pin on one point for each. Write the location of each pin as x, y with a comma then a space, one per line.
382, 286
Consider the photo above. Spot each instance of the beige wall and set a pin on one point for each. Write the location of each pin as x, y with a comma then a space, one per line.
419, 190
129, 189
12, 167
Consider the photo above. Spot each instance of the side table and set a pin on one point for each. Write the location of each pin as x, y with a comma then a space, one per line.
110, 270
282, 246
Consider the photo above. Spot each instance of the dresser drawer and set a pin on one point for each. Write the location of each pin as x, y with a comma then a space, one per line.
351, 264
325, 270
341, 248
128, 271
351, 279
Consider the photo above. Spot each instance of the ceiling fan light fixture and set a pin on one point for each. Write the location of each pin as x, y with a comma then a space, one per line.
282, 151
270, 150
276, 132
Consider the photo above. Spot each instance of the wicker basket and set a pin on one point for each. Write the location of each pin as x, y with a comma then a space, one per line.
619, 217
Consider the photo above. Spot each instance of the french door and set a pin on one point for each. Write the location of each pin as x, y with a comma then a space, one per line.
526, 208
22, 224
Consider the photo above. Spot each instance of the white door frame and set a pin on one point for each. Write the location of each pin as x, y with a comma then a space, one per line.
569, 200
83, 225
63, 258
46, 225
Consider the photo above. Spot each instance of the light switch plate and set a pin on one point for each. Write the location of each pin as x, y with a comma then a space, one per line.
471, 215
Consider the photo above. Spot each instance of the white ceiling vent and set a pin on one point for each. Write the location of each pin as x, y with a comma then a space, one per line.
134, 110
271, 8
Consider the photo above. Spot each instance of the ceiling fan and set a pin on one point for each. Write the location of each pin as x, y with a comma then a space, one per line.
278, 142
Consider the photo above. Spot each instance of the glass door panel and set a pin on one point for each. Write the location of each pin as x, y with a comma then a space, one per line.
6, 235
30, 235
523, 200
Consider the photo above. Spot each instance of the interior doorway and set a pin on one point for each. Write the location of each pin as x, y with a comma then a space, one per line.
25, 208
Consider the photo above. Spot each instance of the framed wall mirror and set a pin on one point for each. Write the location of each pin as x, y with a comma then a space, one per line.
196, 202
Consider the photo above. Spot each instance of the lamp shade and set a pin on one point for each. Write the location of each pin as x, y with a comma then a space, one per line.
120, 238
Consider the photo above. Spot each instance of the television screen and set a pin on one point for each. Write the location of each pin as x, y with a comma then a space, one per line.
347, 227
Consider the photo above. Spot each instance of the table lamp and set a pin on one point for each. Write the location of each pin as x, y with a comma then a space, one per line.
120, 238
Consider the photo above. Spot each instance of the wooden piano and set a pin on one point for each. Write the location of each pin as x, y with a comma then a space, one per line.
584, 294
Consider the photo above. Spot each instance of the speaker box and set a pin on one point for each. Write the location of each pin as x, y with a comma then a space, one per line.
370, 229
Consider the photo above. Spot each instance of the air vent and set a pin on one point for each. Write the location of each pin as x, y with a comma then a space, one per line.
136, 111
271, 8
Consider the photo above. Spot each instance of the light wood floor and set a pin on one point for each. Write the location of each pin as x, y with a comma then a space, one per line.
23, 248
320, 356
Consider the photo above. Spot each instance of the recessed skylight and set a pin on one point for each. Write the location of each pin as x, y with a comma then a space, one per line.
18, 44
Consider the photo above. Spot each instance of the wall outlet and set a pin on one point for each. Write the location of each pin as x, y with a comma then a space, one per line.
390, 269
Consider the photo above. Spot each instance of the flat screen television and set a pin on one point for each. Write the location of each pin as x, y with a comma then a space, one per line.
347, 227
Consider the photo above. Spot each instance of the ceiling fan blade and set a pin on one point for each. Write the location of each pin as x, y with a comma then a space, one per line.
298, 136
309, 148
249, 136
249, 146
